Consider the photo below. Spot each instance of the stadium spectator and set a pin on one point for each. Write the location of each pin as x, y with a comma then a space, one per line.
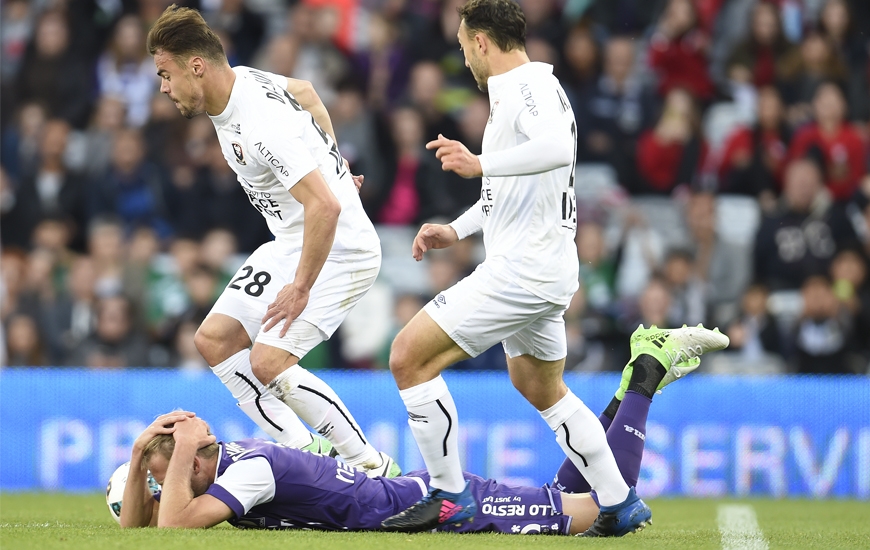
850, 284
823, 333
106, 249
836, 23
597, 269
23, 343
52, 190
542, 21
13, 221
686, 289
132, 188
20, 146
678, 51
801, 238
582, 60
753, 158
764, 54
755, 332
405, 194
832, 143
54, 74
672, 153
359, 136
384, 65
426, 92
89, 152
71, 318
653, 306
244, 27
817, 63
723, 268
125, 72
612, 114
115, 342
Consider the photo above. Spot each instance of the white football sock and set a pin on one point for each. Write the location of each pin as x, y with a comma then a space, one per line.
272, 416
581, 436
434, 422
313, 400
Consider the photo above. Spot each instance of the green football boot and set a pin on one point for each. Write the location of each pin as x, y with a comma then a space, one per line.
679, 351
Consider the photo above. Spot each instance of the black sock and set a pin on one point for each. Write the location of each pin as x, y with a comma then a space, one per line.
612, 407
646, 375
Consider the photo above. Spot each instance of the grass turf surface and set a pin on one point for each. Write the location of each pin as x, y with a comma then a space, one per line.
82, 521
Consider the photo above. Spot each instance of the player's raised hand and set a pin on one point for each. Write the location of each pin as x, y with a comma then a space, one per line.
455, 157
194, 431
163, 424
432, 236
288, 305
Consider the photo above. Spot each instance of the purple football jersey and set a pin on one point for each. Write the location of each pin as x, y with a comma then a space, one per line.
269, 486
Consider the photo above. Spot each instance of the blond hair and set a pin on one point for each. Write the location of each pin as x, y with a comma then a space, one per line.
164, 445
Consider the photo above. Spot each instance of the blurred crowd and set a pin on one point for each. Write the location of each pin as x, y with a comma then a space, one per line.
722, 173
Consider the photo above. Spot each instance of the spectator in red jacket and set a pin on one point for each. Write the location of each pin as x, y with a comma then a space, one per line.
678, 51
754, 157
832, 143
672, 152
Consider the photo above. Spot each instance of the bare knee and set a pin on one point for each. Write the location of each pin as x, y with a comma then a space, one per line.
401, 360
217, 341
268, 362
541, 393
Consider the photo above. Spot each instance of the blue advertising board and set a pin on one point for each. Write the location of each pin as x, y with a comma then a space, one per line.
708, 436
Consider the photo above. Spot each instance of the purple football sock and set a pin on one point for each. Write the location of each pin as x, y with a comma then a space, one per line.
569, 479
627, 435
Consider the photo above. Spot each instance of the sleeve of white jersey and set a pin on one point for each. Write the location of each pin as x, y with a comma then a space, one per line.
470, 222
249, 482
550, 142
280, 148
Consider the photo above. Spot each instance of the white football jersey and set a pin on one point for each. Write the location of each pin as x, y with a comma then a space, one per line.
529, 221
271, 143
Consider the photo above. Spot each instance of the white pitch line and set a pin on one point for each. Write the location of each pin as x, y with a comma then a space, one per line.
739, 528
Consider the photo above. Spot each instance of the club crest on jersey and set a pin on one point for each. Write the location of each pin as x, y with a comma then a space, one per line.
492, 111
240, 156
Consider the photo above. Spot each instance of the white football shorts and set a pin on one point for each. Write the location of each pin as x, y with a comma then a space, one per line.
486, 308
344, 279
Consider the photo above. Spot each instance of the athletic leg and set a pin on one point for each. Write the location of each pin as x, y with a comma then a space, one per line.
312, 399
224, 343
577, 430
651, 367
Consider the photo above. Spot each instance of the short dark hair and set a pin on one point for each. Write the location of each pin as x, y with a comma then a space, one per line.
183, 33
502, 21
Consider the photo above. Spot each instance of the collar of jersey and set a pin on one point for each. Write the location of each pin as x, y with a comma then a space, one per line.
531, 68
224, 115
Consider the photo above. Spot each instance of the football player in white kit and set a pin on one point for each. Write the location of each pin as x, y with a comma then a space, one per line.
291, 293
518, 295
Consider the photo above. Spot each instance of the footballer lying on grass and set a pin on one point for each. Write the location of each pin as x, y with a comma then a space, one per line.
254, 483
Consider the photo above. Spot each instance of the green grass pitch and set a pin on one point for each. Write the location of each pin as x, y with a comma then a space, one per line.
47, 521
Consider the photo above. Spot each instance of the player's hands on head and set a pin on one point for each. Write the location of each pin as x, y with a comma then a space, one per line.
288, 305
455, 157
195, 431
163, 424
432, 236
